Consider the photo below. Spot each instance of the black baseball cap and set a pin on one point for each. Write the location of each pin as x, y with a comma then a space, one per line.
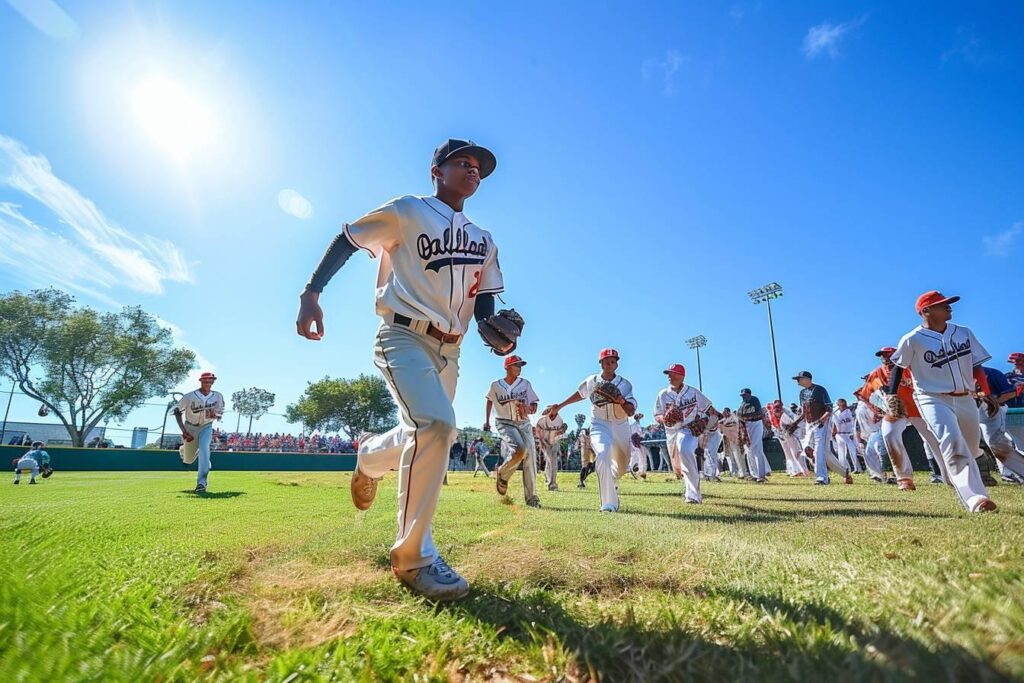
744, 391
803, 374
452, 146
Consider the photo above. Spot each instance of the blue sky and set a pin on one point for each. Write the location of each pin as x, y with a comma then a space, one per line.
655, 162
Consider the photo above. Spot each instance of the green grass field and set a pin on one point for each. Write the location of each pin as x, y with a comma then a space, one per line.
275, 576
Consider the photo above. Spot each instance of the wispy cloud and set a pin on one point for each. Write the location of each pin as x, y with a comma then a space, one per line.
967, 46
47, 16
826, 37
294, 204
1001, 243
96, 253
664, 70
203, 363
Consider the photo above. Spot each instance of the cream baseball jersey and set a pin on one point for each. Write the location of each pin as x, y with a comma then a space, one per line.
942, 363
433, 261
688, 398
844, 421
601, 409
193, 406
550, 429
504, 396
866, 419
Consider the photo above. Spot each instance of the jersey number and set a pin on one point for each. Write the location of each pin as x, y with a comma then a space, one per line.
475, 286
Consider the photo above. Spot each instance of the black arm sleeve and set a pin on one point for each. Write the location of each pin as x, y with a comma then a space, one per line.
484, 307
334, 258
894, 381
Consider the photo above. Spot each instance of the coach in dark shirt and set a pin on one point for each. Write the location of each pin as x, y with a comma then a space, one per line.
817, 412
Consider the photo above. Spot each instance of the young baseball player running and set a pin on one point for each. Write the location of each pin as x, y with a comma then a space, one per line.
945, 360
817, 413
844, 426
587, 457
685, 412
992, 414
637, 456
751, 417
612, 404
195, 414
437, 271
551, 431
479, 451
513, 401
710, 440
784, 425
870, 428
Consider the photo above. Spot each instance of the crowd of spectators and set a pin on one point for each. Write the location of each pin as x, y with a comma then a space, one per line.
281, 443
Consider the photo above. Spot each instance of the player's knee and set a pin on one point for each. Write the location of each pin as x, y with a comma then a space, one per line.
441, 428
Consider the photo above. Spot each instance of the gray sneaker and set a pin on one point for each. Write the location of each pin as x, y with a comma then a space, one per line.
436, 581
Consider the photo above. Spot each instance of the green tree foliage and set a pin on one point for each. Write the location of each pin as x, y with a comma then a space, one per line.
349, 405
252, 403
86, 366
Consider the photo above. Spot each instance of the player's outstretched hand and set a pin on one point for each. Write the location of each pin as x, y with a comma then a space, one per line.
310, 314
186, 436
550, 411
487, 426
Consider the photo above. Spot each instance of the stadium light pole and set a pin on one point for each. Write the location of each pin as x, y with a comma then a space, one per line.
696, 343
772, 290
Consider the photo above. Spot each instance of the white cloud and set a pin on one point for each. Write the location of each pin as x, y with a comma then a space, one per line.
825, 38
94, 252
294, 204
47, 16
968, 47
1001, 243
663, 70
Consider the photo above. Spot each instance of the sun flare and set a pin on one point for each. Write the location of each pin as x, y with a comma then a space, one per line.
176, 118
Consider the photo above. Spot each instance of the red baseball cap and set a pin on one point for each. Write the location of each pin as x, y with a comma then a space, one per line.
608, 353
933, 298
513, 360
207, 375
885, 351
1015, 357
677, 368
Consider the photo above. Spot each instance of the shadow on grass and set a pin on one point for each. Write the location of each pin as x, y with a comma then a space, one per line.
759, 515
214, 494
827, 646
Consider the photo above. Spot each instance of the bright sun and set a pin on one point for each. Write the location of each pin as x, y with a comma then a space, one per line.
178, 120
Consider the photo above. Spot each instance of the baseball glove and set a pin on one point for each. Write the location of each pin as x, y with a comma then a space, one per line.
698, 425
990, 405
673, 415
607, 391
636, 440
47, 471
501, 331
895, 406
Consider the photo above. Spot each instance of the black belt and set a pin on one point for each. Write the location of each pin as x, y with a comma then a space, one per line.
432, 330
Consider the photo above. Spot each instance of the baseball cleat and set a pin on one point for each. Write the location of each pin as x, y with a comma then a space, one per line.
581, 485
1010, 479
32, 481
987, 505
691, 501
609, 508
553, 487
848, 479
891, 480
199, 489
533, 503
936, 479
877, 479
363, 489
821, 482
16, 482
436, 581
500, 484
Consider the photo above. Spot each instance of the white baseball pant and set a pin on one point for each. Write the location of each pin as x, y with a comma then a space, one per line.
551, 452
637, 460
793, 452
610, 441
846, 450
756, 459
712, 467
1002, 445
954, 422
682, 445
734, 455
518, 438
422, 374
873, 452
818, 438
892, 434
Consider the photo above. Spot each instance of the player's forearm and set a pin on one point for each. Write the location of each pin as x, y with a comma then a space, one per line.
575, 398
484, 307
982, 380
894, 381
487, 412
333, 259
